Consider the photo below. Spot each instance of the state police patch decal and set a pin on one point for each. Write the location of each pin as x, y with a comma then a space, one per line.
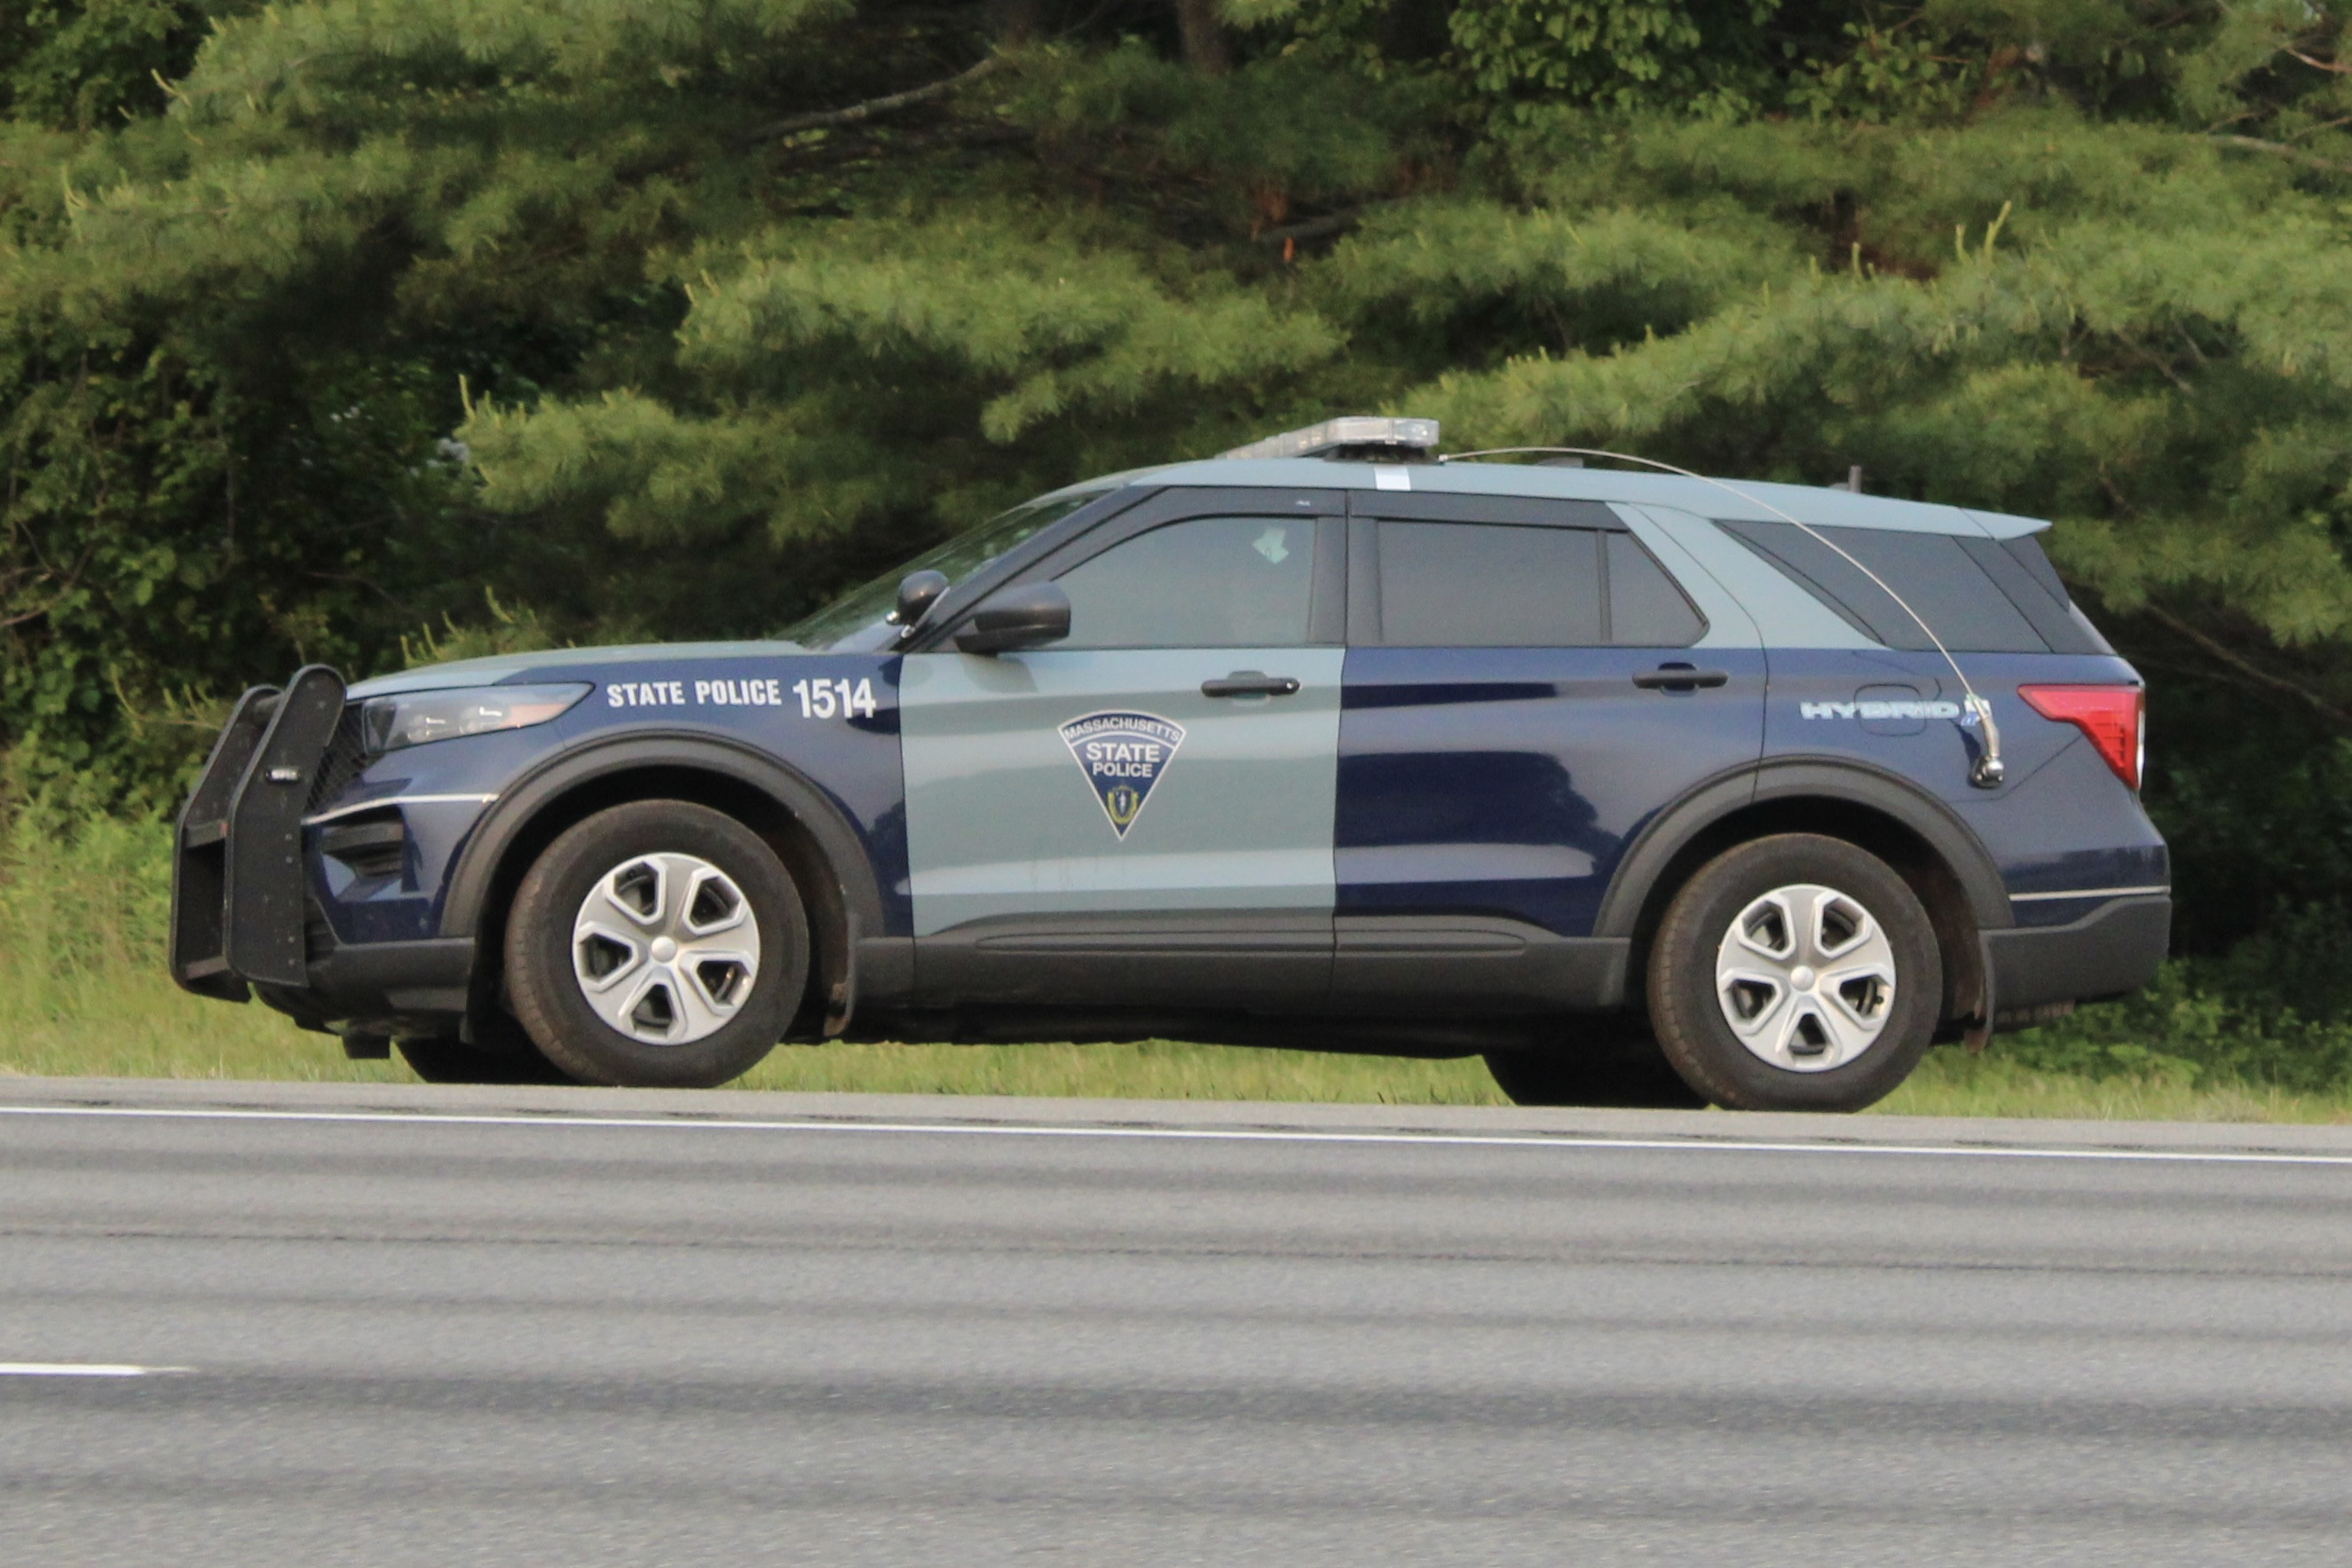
1123, 755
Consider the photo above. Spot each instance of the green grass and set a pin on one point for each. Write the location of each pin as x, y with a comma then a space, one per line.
83, 992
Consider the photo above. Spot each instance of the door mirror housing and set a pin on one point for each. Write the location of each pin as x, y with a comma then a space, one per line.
917, 591
1022, 617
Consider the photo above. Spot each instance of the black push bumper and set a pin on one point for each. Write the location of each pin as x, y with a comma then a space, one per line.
2114, 949
239, 888
241, 915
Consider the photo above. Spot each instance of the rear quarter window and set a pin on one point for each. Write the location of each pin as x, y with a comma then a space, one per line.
1979, 598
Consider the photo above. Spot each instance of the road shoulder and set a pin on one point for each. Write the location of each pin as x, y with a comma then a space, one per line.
35, 1095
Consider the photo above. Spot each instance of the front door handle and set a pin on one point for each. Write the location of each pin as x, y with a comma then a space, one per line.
1678, 678
1250, 683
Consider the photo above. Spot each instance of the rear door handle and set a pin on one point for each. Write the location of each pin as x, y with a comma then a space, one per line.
1250, 683
1678, 678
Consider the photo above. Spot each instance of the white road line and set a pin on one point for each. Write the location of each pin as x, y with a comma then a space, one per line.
1206, 1134
78, 1369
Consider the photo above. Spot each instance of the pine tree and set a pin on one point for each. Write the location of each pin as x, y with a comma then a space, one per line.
674, 316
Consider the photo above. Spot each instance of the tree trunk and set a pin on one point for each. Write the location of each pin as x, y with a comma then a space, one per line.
1205, 39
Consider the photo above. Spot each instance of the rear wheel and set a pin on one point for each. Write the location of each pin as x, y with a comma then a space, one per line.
1795, 973
659, 944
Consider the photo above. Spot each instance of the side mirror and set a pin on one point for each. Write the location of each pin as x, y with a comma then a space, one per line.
1019, 617
917, 591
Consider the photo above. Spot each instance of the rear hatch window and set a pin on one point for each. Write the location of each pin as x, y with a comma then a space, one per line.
1981, 595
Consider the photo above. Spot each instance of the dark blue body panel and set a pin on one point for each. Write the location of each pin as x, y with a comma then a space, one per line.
748, 700
1508, 781
2062, 820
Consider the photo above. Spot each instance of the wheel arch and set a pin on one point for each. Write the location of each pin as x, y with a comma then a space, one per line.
1921, 837
795, 818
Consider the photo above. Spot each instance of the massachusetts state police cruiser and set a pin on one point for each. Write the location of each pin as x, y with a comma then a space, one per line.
1649, 787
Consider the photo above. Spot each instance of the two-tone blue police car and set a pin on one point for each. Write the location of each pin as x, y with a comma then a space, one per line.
1647, 787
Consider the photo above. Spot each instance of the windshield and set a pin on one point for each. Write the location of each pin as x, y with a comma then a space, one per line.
857, 623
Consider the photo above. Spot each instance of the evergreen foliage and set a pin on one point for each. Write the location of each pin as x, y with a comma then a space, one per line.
330, 320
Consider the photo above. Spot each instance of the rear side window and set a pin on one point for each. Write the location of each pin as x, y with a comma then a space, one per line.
1495, 585
1481, 585
1645, 609
1956, 588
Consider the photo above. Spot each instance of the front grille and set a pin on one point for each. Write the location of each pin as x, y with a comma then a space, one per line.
345, 759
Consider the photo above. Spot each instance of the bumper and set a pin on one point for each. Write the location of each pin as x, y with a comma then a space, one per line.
2114, 949
395, 990
240, 891
241, 907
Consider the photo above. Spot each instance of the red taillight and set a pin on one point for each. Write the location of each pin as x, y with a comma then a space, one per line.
2110, 716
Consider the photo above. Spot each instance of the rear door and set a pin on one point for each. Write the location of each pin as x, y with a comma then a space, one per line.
1527, 683
1140, 815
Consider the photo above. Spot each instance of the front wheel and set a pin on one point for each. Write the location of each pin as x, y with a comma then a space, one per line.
1795, 973
658, 945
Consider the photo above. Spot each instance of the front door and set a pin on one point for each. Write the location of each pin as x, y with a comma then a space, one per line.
1141, 814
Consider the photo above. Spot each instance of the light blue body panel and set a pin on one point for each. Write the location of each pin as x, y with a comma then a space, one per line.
1778, 612
1749, 500
1002, 819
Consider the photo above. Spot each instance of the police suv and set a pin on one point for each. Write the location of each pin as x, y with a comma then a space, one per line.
1649, 787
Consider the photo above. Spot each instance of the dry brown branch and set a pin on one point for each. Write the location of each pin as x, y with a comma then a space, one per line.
794, 124
2245, 666
2281, 150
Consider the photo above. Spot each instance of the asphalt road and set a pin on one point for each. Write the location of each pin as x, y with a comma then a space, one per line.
1031, 1333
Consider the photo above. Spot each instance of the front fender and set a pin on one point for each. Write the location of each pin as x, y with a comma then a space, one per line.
666, 750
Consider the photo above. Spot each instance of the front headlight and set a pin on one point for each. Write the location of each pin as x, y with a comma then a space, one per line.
416, 718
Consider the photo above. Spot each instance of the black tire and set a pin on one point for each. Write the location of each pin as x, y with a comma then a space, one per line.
453, 1062
1622, 1066
552, 1000
1692, 1024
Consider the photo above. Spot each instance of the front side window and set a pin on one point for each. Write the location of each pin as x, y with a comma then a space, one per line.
856, 624
1209, 582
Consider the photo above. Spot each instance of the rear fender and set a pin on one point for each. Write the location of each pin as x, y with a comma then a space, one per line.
1954, 874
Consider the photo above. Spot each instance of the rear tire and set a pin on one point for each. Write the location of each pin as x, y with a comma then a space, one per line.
656, 944
1625, 1069
1795, 973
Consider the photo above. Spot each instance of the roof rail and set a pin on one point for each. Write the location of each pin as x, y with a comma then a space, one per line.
1362, 438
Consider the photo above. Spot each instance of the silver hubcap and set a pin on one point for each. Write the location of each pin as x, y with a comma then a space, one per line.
1806, 977
665, 948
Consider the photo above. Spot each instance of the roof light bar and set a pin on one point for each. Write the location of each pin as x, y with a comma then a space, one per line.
1356, 435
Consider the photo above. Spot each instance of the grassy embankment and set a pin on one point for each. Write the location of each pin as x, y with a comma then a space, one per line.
82, 991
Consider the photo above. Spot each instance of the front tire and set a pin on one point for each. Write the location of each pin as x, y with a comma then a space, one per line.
656, 944
1795, 973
